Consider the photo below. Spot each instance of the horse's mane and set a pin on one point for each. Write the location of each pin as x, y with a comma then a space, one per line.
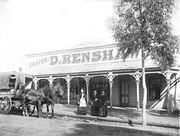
47, 90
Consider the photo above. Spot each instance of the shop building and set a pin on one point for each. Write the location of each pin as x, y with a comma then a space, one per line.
102, 68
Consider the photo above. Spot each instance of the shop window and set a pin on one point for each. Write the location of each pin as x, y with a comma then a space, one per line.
99, 84
43, 83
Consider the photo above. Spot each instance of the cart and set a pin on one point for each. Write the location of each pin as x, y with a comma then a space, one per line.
8, 97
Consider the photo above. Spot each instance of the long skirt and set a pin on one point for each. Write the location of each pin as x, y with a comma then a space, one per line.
82, 110
95, 110
103, 111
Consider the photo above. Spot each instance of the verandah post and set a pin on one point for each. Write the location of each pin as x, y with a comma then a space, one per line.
110, 76
68, 80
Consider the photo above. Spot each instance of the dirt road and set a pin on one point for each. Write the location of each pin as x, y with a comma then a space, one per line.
15, 125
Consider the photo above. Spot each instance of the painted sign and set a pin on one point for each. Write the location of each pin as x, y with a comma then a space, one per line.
102, 58
94, 56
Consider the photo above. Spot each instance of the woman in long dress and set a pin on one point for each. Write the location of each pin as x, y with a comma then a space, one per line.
95, 104
82, 108
103, 105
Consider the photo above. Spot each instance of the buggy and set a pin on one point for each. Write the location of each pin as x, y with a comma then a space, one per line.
8, 97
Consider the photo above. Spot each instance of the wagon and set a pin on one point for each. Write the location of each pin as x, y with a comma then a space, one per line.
8, 97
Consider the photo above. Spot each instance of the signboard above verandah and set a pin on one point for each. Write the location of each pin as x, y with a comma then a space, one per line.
80, 60
84, 57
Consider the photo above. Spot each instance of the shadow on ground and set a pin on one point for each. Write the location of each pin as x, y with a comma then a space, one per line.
120, 113
99, 130
15, 111
164, 114
130, 113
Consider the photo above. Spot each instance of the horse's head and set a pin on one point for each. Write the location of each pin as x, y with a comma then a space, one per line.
23, 89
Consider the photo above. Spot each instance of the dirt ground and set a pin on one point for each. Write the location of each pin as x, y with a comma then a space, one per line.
16, 125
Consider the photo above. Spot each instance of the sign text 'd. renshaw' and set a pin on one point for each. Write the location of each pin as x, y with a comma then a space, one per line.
78, 58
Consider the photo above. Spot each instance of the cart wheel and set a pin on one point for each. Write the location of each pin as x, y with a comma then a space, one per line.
5, 105
30, 109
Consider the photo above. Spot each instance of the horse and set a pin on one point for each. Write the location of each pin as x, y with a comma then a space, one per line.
45, 95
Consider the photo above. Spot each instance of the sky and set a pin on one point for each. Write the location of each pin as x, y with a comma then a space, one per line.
34, 26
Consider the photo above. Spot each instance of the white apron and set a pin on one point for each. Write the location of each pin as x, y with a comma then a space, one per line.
82, 102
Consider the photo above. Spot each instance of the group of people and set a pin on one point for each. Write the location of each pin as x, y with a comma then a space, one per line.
98, 104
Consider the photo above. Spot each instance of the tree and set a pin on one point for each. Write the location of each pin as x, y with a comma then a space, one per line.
143, 26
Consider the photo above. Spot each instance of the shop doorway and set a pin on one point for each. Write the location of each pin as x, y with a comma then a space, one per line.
124, 91
75, 88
